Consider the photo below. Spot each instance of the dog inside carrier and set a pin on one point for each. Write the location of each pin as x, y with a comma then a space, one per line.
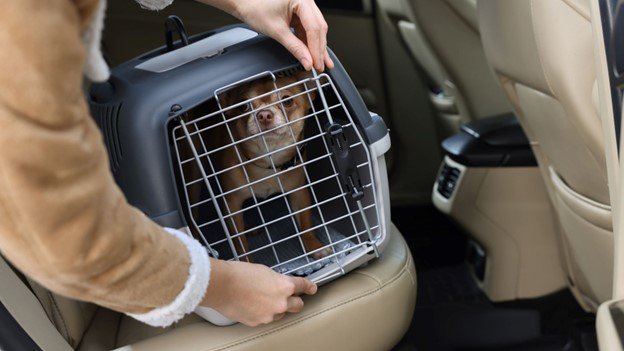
225, 136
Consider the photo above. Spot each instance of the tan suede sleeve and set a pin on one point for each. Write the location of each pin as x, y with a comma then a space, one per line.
63, 220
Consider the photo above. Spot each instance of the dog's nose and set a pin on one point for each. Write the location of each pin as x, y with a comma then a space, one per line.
265, 116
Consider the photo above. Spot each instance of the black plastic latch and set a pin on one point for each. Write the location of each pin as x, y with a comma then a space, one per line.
343, 159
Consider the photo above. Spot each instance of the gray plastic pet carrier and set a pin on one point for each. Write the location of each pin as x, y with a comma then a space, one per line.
169, 122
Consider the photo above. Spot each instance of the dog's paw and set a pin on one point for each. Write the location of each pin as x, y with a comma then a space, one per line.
322, 253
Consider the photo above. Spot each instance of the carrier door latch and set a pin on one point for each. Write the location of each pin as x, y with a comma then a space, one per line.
343, 159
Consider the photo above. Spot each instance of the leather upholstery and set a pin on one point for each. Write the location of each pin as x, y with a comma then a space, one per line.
368, 309
70, 317
542, 53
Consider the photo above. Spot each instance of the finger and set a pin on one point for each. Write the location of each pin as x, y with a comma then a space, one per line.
313, 26
296, 47
303, 286
313, 38
300, 33
277, 317
295, 304
319, 48
322, 49
323, 43
329, 63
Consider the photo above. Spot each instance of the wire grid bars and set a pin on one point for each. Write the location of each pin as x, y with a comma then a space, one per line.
225, 152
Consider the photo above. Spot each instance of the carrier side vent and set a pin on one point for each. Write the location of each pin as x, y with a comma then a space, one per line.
107, 118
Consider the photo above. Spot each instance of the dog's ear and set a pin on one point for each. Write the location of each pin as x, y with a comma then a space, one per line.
229, 98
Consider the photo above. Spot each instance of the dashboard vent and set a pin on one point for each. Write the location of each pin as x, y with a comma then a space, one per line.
447, 180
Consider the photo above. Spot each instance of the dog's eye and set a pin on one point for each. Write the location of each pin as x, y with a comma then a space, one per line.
246, 107
287, 100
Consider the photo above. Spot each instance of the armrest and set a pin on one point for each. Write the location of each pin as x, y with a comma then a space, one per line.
497, 141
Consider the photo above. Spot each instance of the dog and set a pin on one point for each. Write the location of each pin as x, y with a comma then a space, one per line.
249, 124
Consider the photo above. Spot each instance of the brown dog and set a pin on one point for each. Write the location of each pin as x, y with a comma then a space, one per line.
263, 117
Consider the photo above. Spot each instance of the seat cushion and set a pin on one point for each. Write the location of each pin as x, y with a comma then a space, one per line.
369, 309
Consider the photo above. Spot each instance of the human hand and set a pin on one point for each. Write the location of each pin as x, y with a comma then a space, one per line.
254, 294
275, 18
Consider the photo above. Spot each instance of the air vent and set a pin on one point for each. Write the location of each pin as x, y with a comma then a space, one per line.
107, 117
447, 180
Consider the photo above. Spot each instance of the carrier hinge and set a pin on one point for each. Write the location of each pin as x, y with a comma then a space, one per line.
343, 159
174, 111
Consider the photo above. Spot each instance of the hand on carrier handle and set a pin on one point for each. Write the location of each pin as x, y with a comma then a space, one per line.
274, 18
254, 294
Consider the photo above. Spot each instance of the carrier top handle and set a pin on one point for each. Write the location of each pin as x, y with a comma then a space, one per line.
174, 24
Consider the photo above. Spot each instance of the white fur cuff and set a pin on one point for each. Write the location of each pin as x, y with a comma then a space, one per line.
194, 288
154, 5
95, 67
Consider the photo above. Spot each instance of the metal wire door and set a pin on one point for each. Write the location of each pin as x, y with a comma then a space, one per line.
333, 158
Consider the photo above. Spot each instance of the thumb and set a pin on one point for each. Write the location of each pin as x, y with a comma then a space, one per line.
303, 286
296, 47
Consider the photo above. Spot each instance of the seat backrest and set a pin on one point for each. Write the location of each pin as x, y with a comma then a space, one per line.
70, 317
448, 47
542, 53
34, 313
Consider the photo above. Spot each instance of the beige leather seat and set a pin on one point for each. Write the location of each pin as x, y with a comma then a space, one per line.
443, 37
542, 53
369, 309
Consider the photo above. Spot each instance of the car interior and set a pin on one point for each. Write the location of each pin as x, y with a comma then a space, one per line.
504, 186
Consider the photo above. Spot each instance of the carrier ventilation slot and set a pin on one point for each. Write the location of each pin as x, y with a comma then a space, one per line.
315, 193
107, 118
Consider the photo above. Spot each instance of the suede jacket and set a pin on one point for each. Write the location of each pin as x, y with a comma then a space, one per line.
63, 220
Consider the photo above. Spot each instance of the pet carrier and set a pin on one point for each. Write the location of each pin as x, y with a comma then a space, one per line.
306, 195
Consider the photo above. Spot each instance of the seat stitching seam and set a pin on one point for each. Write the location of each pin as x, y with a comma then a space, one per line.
369, 276
462, 18
119, 321
60, 315
577, 10
575, 214
539, 56
573, 193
